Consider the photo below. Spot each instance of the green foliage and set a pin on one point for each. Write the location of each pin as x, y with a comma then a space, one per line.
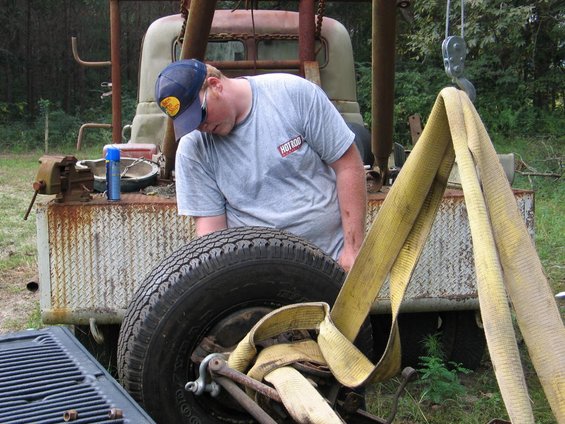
44, 106
440, 381
363, 76
514, 59
21, 136
415, 92
12, 111
503, 109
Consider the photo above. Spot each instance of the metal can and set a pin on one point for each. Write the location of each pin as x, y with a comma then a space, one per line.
113, 174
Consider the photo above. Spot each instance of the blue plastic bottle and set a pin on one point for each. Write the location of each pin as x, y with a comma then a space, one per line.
113, 173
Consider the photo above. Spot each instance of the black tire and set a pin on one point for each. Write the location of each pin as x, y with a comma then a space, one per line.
413, 327
186, 297
463, 340
363, 142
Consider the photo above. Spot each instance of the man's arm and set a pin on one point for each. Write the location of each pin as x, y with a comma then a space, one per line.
352, 195
209, 224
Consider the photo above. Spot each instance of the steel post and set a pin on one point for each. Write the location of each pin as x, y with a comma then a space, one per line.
384, 37
116, 78
307, 29
200, 16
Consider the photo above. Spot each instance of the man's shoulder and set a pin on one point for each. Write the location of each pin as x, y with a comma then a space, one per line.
279, 79
191, 142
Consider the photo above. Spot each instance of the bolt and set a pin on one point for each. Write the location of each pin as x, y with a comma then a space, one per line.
70, 415
115, 413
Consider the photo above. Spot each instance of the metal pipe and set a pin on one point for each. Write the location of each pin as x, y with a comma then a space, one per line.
307, 29
95, 331
218, 366
81, 62
245, 401
116, 77
200, 16
382, 93
89, 125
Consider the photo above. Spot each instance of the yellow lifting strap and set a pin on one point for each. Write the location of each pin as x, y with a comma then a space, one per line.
507, 268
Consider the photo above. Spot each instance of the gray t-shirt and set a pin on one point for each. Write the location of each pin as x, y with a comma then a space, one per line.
272, 169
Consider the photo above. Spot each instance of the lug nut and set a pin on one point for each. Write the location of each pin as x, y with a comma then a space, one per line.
70, 415
115, 413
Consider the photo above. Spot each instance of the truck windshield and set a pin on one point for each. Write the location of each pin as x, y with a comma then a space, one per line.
286, 50
271, 49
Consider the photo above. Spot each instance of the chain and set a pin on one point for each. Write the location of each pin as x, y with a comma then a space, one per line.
184, 12
226, 36
320, 13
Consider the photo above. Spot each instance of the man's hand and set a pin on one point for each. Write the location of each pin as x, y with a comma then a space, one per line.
347, 258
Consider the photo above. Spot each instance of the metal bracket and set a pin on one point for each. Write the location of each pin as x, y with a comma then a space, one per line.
454, 51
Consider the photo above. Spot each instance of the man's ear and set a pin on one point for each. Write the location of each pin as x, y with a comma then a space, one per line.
215, 83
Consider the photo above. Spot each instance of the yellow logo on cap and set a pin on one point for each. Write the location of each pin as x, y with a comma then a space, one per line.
170, 105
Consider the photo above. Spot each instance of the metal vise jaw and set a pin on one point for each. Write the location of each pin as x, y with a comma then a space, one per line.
58, 175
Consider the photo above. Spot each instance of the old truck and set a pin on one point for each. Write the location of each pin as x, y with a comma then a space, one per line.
133, 270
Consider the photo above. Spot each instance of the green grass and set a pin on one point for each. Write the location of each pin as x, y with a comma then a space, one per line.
17, 237
544, 156
17, 174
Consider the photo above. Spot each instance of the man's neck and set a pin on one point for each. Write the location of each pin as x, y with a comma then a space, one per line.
243, 98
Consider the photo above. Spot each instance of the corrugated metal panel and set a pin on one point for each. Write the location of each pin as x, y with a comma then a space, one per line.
444, 278
47, 374
92, 256
99, 252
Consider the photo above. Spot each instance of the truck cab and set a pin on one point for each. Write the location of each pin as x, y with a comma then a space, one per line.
245, 44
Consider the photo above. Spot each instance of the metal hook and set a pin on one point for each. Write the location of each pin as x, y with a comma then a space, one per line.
454, 51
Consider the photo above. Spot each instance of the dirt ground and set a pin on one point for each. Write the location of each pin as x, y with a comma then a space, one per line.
18, 306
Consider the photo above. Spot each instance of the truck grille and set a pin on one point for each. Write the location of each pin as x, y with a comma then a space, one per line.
46, 376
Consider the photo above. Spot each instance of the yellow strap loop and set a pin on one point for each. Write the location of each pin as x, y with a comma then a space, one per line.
506, 265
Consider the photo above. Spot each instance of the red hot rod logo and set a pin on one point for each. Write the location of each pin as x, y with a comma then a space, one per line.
290, 146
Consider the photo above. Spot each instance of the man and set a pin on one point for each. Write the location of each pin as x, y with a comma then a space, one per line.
270, 150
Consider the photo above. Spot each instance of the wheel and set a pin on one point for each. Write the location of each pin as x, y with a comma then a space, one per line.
363, 142
413, 327
463, 340
204, 298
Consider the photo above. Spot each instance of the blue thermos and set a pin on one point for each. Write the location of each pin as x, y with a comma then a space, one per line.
113, 173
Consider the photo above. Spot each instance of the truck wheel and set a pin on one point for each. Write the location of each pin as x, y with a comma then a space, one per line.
363, 142
203, 299
414, 328
463, 340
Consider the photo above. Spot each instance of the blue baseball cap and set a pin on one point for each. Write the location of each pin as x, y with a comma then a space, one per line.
176, 91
